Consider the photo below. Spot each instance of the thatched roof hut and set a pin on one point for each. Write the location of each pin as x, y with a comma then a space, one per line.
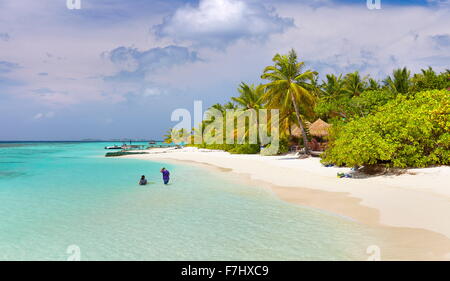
319, 128
295, 130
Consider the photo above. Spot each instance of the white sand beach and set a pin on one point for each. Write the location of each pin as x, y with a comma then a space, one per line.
417, 199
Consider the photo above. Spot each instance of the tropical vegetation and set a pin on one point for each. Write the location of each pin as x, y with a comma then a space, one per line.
399, 121
405, 132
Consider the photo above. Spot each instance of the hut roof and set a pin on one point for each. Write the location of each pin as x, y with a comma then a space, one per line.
295, 130
319, 128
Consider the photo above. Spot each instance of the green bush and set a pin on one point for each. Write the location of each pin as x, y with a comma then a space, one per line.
225, 147
356, 106
245, 149
232, 148
282, 148
368, 102
406, 132
429, 80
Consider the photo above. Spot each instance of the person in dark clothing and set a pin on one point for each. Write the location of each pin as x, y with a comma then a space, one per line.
143, 181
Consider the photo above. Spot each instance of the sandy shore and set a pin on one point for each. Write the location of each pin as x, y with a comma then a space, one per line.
415, 204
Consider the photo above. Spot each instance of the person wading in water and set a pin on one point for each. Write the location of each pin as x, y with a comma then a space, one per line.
143, 181
166, 175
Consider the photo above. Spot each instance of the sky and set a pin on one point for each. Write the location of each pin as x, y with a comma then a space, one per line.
119, 68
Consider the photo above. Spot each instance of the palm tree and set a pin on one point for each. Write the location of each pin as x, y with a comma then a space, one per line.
181, 135
168, 136
332, 88
219, 107
223, 108
429, 72
354, 85
373, 84
250, 96
313, 86
211, 117
400, 81
288, 87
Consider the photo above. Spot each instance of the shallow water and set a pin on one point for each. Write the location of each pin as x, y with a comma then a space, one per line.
53, 195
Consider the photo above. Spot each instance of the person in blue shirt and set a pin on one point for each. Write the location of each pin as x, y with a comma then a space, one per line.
166, 175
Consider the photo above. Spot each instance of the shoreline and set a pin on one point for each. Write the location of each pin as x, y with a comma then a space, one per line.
401, 205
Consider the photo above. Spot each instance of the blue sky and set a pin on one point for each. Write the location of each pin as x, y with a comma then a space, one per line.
117, 69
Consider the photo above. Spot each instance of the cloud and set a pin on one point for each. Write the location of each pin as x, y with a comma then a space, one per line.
141, 82
152, 92
45, 115
218, 23
6, 66
135, 65
4, 36
136, 71
441, 40
43, 91
341, 38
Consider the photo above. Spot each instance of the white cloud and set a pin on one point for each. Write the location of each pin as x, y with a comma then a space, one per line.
218, 23
136, 69
45, 115
330, 37
38, 116
135, 64
74, 39
342, 38
148, 92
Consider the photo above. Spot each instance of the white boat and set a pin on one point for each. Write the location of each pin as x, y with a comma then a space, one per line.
113, 147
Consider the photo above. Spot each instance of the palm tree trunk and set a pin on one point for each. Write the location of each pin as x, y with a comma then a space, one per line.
289, 125
299, 119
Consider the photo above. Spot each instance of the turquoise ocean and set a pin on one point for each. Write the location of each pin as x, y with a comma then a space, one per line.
57, 195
